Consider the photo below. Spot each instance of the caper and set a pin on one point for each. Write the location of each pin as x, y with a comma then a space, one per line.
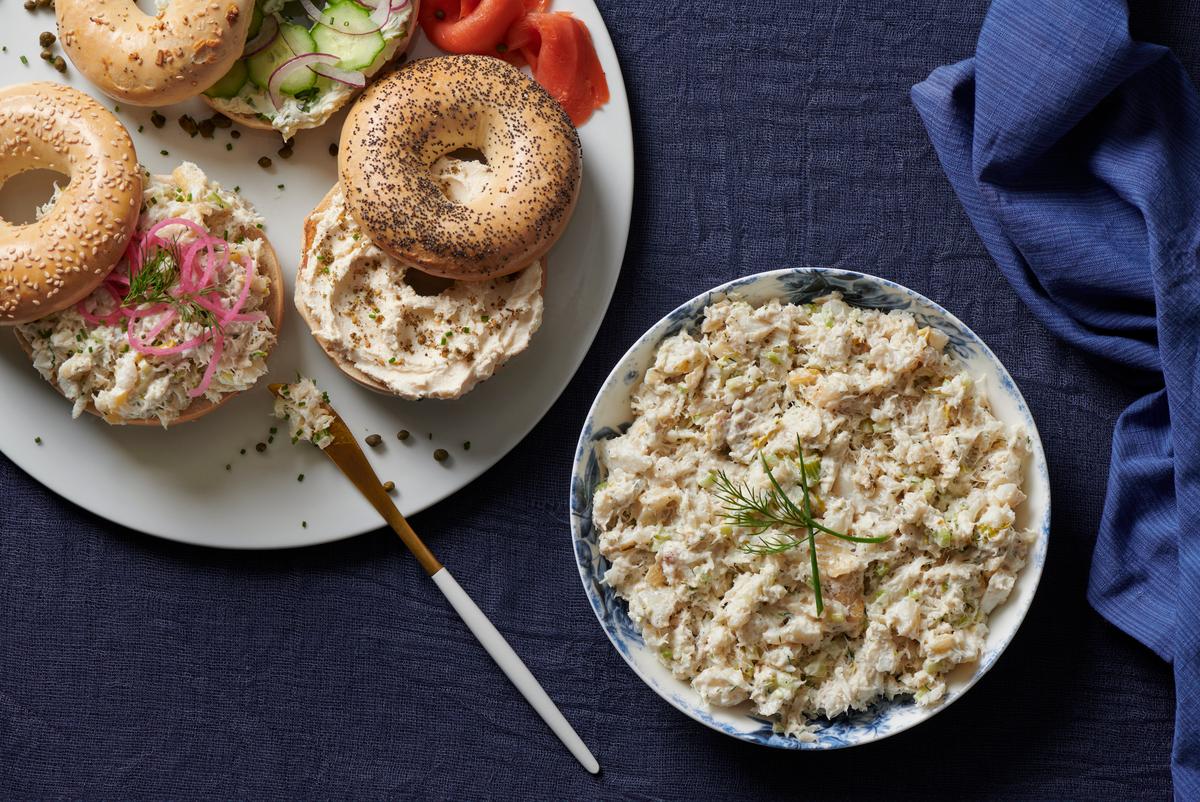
45, 38
60, 64
389, 486
374, 440
264, 162
260, 447
441, 455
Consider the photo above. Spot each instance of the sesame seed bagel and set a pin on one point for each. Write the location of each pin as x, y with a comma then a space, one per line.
153, 60
50, 264
399, 136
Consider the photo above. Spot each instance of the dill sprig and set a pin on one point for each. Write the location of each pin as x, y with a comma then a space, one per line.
156, 278
760, 511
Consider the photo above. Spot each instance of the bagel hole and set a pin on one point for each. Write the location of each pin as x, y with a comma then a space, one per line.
23, 194
467, 155
425, 284
462, 174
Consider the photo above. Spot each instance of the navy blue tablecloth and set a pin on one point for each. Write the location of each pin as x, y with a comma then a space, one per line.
782, 135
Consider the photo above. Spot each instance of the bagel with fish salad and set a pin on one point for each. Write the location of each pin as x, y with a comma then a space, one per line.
182, 323
153, 60
61, 257
299, 67
396, 330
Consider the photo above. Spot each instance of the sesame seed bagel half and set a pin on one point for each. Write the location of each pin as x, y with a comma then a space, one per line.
153, 60
59, 259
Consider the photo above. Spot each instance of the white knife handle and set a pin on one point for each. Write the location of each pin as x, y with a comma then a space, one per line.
514, 668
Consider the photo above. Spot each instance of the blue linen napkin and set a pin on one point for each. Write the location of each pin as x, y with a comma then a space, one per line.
1076, 153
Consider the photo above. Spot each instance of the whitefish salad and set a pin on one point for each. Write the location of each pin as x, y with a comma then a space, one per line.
813, 509
179, 319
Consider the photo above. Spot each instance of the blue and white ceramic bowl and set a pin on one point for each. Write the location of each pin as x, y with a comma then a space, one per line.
610, 415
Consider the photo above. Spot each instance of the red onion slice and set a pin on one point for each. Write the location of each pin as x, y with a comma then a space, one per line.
382, 13
290, 67
266, 36
352, 78
379, 18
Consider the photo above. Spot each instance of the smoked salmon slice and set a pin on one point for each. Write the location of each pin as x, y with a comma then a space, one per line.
471, 26
559, 50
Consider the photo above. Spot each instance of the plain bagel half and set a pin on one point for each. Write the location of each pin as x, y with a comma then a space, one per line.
153, 60
519, 198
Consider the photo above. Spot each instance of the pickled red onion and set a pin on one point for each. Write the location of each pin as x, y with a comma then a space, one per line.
198, 266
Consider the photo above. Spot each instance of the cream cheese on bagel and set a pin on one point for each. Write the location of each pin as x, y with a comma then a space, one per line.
93, 364
153, 60
368, 312
415, 119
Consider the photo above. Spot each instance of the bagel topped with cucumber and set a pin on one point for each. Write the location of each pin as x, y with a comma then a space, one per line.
298, 69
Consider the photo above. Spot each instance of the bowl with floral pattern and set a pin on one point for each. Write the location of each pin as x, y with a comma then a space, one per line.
611, 415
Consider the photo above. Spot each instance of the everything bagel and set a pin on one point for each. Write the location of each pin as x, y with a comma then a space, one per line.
460, 219
153, 60
52, 263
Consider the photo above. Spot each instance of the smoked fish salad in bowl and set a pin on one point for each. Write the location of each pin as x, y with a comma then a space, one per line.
810, 508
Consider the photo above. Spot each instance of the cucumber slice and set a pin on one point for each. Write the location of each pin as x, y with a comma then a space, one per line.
359, 46
256, 19
233, 81
293, 40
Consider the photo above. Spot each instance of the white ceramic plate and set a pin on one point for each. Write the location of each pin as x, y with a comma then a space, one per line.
611, 412
174, 483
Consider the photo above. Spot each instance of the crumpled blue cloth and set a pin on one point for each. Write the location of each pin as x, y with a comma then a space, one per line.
1076, 153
